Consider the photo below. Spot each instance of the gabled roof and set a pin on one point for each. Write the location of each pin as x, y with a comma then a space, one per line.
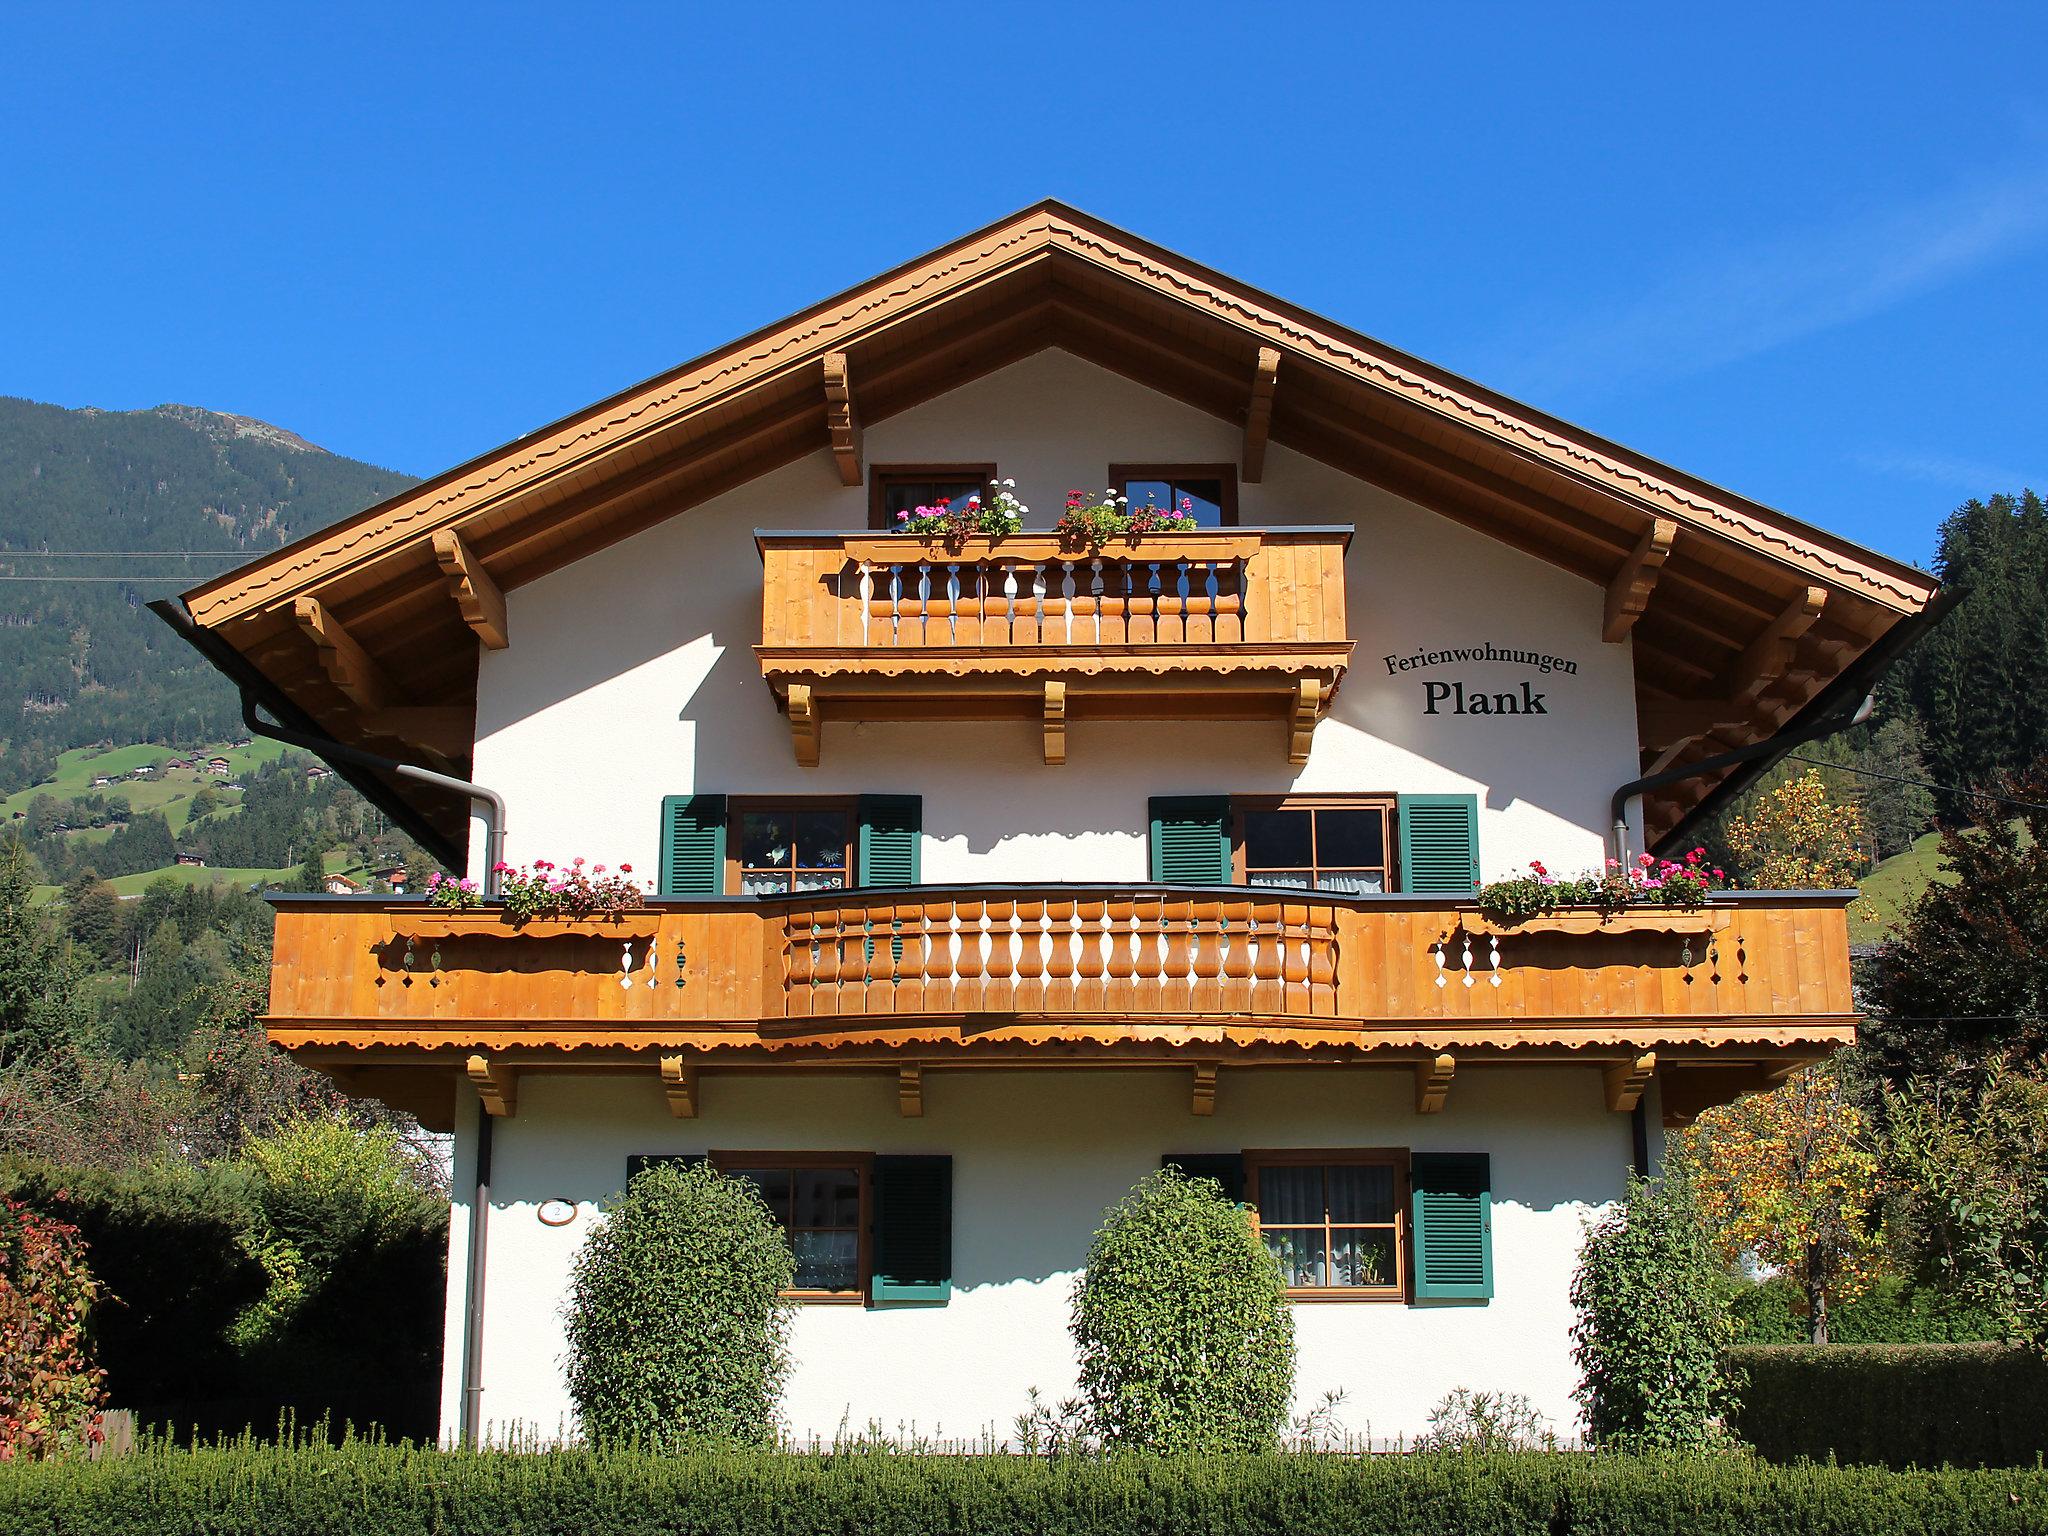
1740, 614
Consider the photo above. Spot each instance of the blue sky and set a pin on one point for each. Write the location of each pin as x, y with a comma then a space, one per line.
1799, 250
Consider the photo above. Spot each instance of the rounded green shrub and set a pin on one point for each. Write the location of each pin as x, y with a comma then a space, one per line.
1652, 1324
678, 1331
1181, 1321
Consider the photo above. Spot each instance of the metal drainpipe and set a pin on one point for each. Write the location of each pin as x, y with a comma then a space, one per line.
473, 1288
1782, 743
490, 801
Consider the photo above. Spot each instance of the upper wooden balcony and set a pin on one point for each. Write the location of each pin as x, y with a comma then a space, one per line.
1051, 974
1219, 623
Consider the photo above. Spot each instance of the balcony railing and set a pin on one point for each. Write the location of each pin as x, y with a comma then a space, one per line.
1089, 963
1222, 623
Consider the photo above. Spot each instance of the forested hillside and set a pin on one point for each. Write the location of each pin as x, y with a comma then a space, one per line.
107, 501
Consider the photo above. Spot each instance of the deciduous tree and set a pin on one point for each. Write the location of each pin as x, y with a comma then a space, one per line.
1799, 837
1790, 1177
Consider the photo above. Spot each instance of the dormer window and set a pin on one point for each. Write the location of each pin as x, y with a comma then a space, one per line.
894, 488
1210, 490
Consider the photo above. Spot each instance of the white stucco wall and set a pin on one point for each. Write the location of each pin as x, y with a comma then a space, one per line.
631, 674
1037, 1156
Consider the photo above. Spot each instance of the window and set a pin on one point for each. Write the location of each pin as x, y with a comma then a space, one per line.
894, 488
1210, 488
1333, 1221
1332, 843
821, 1201
783, 847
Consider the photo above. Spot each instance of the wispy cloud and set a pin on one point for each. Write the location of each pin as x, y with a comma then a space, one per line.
1723, 306
1975, 476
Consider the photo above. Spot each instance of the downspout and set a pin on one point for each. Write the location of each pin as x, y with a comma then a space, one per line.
1775, 746
473, 1287
490, 804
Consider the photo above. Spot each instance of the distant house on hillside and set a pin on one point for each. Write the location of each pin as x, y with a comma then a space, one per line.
142, 772
191, 860
319, 771
392, 875
234, 784
101, 782
341, 885
219, 767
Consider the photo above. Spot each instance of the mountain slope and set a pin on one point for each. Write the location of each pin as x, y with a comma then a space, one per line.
81, 661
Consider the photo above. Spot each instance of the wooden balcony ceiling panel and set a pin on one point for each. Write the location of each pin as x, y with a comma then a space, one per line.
1051, 276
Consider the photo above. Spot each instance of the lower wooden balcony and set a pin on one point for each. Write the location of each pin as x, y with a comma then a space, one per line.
1048, 973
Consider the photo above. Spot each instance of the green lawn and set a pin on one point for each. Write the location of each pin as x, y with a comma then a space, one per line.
169, 792
1893, 886
180, 874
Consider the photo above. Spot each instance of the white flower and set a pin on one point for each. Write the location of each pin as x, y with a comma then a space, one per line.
1010, 483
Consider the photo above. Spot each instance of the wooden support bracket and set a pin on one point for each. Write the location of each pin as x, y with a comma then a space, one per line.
1626, 1080
679, 1086
1055, 721
1769, 656
803, 724
1301, 730
495, 1084
842, 424
1258, 417
910, 1090
347, 665
1204, 1100
1629, 593
475, 592
1433, 1084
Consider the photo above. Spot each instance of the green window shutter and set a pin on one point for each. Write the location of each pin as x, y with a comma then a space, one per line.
1226, 1168
1191, 839
1440, 844
693, 845
913, 1199
1451, 1206
640, 1162
891, 827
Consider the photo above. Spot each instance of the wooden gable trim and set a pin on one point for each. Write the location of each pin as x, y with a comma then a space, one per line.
1048, 230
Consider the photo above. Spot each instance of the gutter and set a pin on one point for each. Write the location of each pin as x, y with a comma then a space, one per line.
357, 767
1843, 703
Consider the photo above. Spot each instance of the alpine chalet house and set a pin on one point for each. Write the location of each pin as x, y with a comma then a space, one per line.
987, 872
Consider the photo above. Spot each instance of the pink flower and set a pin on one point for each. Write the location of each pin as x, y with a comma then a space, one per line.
1719, 876
625, 869
501, 868
433, 878
1644, 860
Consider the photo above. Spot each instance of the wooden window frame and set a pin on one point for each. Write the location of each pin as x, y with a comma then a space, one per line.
863, 1164
1121, 475
1397, 1158
1388, 805
738, 805
882, 476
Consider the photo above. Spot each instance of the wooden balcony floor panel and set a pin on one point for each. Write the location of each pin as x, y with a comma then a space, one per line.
1050, 1042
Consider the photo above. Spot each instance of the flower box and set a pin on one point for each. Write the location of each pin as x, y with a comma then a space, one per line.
490, 923
1038, 547
1581, 920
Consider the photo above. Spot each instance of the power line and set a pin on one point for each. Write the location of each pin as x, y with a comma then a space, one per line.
1893, 778
117, 554
138, 576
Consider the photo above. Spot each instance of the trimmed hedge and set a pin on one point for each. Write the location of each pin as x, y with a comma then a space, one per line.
1927, 1405
363, 1490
